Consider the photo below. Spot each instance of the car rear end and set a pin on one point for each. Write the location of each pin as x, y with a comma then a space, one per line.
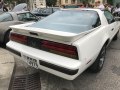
54, 57
46, 46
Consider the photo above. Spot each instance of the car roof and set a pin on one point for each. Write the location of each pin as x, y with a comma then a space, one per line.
20, 7
99, 11
14, 14
77, 9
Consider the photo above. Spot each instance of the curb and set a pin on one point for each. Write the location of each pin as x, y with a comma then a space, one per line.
12, 77
7, 65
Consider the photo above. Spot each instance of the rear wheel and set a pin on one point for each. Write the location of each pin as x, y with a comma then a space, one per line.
98, 64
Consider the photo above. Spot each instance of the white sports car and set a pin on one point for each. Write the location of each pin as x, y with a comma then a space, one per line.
67, 42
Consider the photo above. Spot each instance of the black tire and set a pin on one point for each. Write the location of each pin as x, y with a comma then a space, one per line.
99, 62
6, 38
116, 36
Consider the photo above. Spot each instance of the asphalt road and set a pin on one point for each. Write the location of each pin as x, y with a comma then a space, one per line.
107, 79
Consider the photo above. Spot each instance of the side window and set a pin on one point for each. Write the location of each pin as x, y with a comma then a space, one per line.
96, 21
109, 17
6, 17
46, 11
26, 17
21, 16
55, 9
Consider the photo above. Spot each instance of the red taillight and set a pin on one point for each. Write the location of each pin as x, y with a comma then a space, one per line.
18, 38
61, 49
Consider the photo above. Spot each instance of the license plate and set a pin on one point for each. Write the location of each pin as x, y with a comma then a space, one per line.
32, 62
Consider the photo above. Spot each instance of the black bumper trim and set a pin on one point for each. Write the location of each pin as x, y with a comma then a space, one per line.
14, 51
58, 68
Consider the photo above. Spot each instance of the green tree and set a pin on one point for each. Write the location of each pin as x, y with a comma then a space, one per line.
51, 2
8, 1
110, 2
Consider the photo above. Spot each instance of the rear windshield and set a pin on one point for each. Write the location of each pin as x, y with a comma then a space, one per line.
69, 21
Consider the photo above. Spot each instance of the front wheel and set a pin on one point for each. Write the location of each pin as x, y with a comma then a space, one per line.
99, 62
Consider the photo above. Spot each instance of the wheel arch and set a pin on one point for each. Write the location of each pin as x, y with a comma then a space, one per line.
6, 33
107, 42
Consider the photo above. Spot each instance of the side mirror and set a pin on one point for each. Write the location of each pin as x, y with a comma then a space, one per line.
117, 18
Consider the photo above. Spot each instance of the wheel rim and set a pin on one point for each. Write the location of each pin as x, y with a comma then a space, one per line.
102, 58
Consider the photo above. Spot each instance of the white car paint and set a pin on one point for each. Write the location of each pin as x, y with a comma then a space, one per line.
88, 46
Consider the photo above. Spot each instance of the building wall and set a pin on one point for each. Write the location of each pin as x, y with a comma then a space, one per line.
102, 1
63, 2
38, 3
67, 2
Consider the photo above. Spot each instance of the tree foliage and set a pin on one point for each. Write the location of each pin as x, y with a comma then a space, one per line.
18, 1
110, 2
51, 2
8, 0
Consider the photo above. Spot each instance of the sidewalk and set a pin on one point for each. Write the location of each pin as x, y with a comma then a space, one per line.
6, 68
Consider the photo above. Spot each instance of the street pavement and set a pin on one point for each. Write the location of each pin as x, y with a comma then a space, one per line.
107, 79
6, 69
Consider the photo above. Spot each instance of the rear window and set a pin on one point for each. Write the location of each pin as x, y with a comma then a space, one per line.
69, 21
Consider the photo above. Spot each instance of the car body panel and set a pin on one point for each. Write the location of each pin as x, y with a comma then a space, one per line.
20, 7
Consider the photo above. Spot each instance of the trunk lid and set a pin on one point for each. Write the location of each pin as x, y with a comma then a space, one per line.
57, 36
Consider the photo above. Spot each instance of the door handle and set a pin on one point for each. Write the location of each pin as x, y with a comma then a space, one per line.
112, 29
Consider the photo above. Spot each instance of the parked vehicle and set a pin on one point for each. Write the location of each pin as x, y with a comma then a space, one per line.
18, 15
20, 7
71, 6
67, 42
12, 18
43, 12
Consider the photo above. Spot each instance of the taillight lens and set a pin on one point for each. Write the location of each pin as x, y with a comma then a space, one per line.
61, 49
18, 38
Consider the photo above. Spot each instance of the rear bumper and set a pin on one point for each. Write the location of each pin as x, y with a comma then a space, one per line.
14, 51
48, 65
55, 64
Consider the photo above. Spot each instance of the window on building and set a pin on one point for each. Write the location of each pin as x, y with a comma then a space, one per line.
93, 1
35, 5
104, 1
73, 1
66, 1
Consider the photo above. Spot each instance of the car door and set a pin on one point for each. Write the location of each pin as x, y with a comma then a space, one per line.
112, 24
6, 20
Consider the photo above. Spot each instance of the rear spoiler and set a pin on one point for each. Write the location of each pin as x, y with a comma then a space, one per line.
59, 36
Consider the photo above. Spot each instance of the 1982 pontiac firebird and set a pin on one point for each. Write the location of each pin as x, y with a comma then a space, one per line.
67, 42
